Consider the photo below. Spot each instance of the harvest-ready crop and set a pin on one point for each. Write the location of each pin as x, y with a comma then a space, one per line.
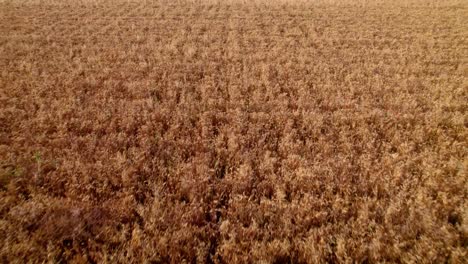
233, 131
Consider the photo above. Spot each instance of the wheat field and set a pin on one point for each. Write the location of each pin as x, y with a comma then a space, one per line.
233, 131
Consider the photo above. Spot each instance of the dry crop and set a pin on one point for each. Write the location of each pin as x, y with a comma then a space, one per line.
233, 132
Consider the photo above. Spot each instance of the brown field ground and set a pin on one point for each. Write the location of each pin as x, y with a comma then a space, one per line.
233, 132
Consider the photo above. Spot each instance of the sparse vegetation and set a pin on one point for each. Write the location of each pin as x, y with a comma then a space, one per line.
233, 132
